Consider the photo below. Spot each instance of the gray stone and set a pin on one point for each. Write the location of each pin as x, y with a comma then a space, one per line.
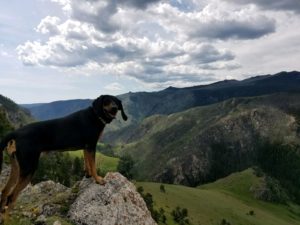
117, 202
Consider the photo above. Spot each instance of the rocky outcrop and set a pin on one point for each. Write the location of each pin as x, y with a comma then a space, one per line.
87, 203
117, 202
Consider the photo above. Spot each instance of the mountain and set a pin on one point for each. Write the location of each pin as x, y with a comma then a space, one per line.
143, 104
205, 143
45, 111
16, 115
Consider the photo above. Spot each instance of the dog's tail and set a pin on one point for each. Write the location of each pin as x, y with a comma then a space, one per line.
3, 144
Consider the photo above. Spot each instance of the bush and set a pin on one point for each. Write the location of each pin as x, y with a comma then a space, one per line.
224, 222
180, 216
162, 188
158, 216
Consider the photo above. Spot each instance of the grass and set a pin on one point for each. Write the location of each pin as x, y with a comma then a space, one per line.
104, 163
227, 199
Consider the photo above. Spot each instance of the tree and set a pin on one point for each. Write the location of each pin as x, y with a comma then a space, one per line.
125, 166
5, 126
180, 216
77, 168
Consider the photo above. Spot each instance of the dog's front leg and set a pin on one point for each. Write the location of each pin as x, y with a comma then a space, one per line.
90, 158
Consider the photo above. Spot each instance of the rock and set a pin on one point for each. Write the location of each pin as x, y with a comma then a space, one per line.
4, 175
41, 220
45, 198
117, 202
57, 222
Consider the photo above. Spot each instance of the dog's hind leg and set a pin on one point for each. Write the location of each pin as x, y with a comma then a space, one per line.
23, 181
11, 183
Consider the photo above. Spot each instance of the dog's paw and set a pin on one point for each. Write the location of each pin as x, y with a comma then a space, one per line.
100, 180
87, 175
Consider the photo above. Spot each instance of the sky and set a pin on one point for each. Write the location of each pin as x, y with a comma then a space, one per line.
68, 49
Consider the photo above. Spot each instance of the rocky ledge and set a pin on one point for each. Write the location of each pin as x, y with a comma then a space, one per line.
87, 203
117, 202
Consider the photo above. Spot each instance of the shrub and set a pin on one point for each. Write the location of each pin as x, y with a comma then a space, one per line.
180, 216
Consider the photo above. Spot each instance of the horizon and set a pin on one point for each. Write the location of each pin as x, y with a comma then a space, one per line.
254, 76
62, 50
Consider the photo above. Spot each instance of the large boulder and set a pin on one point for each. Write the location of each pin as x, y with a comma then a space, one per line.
117, 202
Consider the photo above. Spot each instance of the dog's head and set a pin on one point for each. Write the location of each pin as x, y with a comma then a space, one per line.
107, 106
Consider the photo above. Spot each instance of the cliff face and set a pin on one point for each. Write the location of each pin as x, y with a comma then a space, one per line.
86, 203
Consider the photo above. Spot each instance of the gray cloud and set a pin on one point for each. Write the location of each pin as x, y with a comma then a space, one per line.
100, 12
291, 5
93, 40
141, 4
234, 29
208, 54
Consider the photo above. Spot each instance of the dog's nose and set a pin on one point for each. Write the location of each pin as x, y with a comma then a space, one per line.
114, 109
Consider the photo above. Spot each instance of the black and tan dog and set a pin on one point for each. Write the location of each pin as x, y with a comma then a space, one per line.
80, 130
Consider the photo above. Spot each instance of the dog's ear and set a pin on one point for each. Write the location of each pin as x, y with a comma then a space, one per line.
120, 107
97, 105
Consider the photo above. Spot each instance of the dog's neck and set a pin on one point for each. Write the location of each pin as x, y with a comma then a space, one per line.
102, 120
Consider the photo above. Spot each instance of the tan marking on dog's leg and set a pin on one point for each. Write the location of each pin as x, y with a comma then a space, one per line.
87, 167
11, 183
11, 147
91, 161
22, 183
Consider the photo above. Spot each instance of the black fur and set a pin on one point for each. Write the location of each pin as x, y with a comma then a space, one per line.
79, 130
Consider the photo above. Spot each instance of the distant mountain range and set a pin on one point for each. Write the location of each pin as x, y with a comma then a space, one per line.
143, 104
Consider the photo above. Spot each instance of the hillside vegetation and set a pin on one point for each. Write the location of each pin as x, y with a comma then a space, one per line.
16, 115
209, 142
228, 199
5, 126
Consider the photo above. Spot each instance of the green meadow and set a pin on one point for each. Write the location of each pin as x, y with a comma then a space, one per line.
104, 163
228, 199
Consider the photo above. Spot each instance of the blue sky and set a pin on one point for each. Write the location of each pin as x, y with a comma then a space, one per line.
65, 49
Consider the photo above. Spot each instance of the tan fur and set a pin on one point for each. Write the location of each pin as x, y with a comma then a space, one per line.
11, 183
90, 158
11, 147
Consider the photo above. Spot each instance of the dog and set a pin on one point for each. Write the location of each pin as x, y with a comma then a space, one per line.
80, 130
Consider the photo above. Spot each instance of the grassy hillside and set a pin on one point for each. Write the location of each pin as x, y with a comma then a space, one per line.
209, 142
228, 199
104, 163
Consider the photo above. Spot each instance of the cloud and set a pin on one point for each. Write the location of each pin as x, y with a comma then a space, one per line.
154, 42
48, 25
215, 22
114, 87
290, 5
